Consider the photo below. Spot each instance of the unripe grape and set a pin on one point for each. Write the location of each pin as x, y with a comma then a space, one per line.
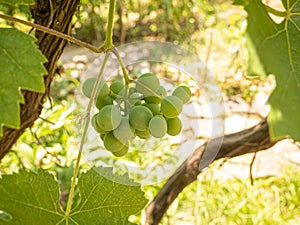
143, 134
171, 106
96, 125
111, 143
154, 108
158, 126
183, 93
103, 89
161, 92
174, 126
109, 117
139, 117
147, 84
103, 101
122, 152
88, 85
124, 131
135, 98
116, 87
138, 103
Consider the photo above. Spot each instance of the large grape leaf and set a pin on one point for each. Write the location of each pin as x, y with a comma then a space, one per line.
17, 2
30, 198
105, 199
21, 67
275, 49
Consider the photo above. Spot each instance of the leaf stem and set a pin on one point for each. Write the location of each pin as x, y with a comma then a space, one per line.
125, 74
275, 12
55, 33
83, 137
108, 43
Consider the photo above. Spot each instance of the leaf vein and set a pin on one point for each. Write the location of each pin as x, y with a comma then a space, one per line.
109, 194
271, 37
105, 206
292, 6
289, 47
37, 207
11, 58
90, 194
51, 196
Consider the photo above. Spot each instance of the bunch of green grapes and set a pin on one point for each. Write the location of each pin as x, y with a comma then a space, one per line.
139, 109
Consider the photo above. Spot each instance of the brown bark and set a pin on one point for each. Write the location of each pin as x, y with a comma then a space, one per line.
247, 141
58, 17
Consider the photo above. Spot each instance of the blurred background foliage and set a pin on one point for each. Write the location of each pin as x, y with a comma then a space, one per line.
213, 29
168, 20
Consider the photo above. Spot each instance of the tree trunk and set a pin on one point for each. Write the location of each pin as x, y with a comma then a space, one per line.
247, 141
57, 16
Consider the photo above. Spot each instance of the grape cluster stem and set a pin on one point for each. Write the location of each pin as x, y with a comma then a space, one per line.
83, 137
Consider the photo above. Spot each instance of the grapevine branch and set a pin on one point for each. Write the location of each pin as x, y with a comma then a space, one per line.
53, 32
106, 46
250, 140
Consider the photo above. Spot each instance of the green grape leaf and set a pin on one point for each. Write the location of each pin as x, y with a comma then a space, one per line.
21, 67
17, 2
275, 49
30, 198
107, 198
104, 198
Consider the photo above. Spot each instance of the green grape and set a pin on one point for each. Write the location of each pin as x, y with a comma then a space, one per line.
138, 103
147, 84
96, 125
109, 117
171, 106
103, 89
88, 85
143, 134
111, 143
139, 117
116, 87
183, 93
153, 107
135, 98
103, 101
155, 99
122, 152
158, 126
124, 131
174, 126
